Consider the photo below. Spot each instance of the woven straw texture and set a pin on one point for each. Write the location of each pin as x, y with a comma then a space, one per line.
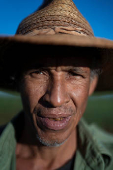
59, 26
61, 13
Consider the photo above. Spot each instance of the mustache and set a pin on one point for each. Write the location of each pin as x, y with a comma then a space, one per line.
43, 111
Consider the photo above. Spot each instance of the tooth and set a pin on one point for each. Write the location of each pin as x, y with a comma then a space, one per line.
56, 119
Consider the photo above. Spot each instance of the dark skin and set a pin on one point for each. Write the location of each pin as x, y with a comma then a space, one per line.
51, 91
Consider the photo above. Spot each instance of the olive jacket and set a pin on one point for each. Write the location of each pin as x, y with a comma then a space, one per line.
94, 152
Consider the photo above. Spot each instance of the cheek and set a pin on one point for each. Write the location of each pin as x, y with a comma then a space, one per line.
79, 95
31, 92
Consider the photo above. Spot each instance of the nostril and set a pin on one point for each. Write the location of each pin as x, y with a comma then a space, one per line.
52, 101
45, 104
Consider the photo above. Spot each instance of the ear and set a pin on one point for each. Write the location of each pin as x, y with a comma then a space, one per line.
93, 85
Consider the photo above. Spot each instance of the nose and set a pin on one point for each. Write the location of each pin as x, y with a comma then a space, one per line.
56, 94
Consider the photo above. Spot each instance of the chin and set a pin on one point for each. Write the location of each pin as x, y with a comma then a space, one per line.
54, 138
52, 143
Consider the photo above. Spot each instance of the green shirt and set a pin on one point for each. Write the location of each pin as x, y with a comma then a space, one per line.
95, 148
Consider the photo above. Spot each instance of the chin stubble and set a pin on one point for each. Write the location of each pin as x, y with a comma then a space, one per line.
49, 144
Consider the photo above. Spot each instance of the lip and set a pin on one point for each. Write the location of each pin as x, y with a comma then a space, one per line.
48, 123
53, 114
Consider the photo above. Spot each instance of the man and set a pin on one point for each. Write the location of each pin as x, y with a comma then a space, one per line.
54, 63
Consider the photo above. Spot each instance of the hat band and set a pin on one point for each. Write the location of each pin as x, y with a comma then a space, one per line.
56, 30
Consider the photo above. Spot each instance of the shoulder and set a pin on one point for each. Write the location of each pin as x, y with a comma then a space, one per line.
99, 142
102, 135
105, 141
97, 135
2, 129
97, 132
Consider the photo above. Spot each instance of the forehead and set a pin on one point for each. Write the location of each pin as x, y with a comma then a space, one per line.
55, 56
56, 61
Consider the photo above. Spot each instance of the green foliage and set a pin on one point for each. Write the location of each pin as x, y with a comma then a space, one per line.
100, 110
10, 104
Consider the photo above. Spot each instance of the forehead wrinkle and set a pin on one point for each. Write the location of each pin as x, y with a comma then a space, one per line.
59, 62
58, 65
66, 68
80, 69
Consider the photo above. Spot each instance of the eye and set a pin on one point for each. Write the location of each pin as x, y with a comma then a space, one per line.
75, 75
39, 73
71, 73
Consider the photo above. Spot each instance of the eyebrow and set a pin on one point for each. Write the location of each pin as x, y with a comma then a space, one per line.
78, 69
64, 68
69, 68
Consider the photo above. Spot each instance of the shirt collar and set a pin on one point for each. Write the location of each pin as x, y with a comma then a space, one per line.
7, 147
91, 152
90, 148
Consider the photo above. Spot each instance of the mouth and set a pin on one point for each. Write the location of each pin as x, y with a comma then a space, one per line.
55, 124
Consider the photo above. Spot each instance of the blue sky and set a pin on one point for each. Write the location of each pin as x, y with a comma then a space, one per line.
99, 13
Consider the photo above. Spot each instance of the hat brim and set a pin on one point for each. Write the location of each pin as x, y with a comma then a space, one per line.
104, 45
60, 39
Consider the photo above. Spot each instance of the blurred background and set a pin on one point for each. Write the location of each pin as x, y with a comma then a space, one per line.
99, 13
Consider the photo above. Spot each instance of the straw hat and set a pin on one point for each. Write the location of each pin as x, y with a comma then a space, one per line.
60, 26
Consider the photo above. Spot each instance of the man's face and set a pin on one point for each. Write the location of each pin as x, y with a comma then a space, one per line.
54, 93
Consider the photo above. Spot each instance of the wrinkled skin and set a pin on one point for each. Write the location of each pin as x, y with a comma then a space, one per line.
52, 88
59, 88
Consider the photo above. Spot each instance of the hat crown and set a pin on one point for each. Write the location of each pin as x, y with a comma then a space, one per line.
60, 14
